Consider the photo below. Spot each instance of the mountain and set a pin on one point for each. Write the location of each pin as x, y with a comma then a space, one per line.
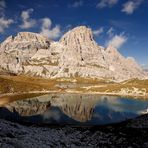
76, 54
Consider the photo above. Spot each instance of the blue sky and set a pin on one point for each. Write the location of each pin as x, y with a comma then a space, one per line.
122, 23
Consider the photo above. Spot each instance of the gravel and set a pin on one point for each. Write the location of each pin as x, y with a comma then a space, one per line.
129, 134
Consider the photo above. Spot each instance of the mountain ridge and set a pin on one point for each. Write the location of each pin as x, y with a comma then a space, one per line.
76, 54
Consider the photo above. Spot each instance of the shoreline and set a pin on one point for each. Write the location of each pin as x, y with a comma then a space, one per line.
76, 92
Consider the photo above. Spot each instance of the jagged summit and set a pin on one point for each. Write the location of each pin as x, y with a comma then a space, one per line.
81, 35
113, 52
26, 36
75, 55
25, 40
82, 47
30, 36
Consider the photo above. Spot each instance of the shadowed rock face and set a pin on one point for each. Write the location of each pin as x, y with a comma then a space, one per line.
117, 135
76, 54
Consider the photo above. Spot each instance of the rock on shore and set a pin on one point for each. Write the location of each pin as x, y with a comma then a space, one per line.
117, 135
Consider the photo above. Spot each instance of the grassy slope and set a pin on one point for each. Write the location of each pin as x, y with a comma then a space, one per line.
10, 84
126, 84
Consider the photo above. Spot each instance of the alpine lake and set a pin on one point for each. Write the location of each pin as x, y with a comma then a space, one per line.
70, 109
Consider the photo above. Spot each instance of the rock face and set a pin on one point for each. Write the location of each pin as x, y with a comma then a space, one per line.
75, 55
14, 51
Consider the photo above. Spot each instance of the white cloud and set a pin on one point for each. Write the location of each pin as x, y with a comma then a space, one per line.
117, 41
130, 6
2, 7
106, 3
5, 23
110, 32
98, 32
144, 66
46, 23
76, 4
69, 26
2, 4
27, 22
49, 32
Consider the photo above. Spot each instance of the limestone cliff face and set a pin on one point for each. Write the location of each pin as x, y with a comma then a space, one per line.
76, 54
16, 50
81, 46
25, 42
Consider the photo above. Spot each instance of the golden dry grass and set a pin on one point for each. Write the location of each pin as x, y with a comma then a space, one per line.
115, 87
10, 84
14, 84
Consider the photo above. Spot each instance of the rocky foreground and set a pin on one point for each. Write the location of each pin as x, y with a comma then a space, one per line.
131, 134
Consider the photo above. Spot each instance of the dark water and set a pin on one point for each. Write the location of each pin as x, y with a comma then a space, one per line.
73, 109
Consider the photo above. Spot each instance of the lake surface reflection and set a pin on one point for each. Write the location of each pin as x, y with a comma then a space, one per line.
74, 109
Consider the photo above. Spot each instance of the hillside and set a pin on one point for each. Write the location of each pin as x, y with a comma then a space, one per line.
24, 84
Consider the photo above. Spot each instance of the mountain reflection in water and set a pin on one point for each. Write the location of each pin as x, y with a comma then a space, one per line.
72, 109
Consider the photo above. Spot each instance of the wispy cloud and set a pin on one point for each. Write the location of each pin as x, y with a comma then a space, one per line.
2, 4
46, 25
144, 66
5, 23
98, 31
121, 24
106, 3
117, 40
2, 7
76, 4
48, 31
110, 32
27, 22
130, 6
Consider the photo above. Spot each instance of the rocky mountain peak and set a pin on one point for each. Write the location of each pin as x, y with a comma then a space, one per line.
75, 55
25, 40
26, 36
112, 50
78, 37
81, 47
29, 36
